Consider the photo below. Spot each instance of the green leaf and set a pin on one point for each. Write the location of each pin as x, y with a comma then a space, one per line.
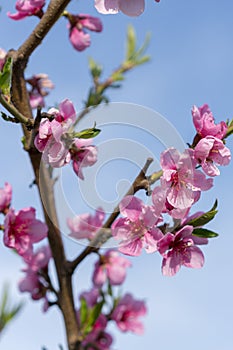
83, 311
204, 218
204, 233
131, 42
88, 133
92, 317
95, 69
7, 313
142, 60
6, 77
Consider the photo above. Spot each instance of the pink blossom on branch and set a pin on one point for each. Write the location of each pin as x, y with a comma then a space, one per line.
85, 226
22, 230
50, 140
27, 8
40, 84
110, 266
77, 29
179, 249
33, 282
204, 122
210, 151
183, 182
97, 337
161, 204
127, 314
83, 154
5, 198
137, 230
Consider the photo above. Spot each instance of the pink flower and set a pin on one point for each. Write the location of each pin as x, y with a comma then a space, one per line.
40, 84
22, 230
33, 282
180, 249
5, 197
2, 58
204, 123
137, 229
27, 8
182, 180
51, 140
90, 296
210, 151
127, 313
83, 154
128, 7
111, 266
98, 338
86, 225
77, 26
161, 204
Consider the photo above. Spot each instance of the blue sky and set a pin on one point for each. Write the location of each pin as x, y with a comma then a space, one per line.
192, 55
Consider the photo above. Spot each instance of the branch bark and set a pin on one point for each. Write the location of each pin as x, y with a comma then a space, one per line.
42, 178
140, 182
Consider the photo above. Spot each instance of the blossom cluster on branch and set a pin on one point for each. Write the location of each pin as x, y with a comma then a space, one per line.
166, 225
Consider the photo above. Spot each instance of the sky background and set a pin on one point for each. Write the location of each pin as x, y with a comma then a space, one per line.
192, 54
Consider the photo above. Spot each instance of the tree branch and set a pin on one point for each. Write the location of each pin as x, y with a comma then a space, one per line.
42, 177
50, 17
13, 111
140, 182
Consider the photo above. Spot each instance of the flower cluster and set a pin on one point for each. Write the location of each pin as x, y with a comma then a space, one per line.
36, 273
148, 226
181, 184
210, 149
56, 140
99, 306
27, 8
39, 86
85, 226
21, 228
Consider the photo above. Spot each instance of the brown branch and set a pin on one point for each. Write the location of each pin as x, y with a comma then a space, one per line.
140, 182
42, 177
50, 17
13, 111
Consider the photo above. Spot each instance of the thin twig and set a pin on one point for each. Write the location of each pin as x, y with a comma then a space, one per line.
140, 182
12, 110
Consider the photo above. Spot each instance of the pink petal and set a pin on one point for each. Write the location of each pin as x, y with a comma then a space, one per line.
151, 240
79, 39
131, 207
99, 276
107, 6
92, 23
181, 198
132, 248
169, 159
194, 258
38, 231
17, 16
67, 110
165, 242
132, 8
171, 264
